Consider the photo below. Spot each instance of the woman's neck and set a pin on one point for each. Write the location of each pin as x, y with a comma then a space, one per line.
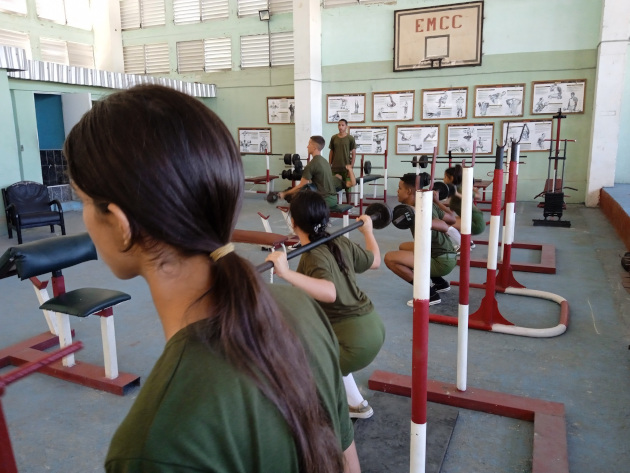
177, 284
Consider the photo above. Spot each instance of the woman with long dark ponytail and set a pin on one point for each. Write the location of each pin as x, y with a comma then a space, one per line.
249, 378
328, 274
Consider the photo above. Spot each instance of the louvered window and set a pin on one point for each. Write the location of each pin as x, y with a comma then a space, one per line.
81, 55
13, 6
141, 13
280, 6
156, 58
78, 14
53, 50
52, 10
281, 49
218, 54
146, 58
339, 3
251, 7
134, 59
255, 50
74, 13
194, 11
153, 13
190, 56
17, 40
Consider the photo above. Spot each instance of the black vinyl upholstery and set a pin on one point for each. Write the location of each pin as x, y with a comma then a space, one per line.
45, 256
27, 205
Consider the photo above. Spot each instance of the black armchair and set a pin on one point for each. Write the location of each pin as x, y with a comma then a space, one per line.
27, 205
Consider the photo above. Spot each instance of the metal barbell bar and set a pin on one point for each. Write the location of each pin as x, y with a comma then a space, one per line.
381, 217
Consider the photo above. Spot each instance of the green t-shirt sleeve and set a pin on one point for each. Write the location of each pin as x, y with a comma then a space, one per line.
362, 259
353, 143
307, 173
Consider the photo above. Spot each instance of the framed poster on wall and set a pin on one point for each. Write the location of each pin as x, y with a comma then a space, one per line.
564, 95
443, 104
280, 110
459, 138
414, 139
254, 140
351, 107
392, 106
499, 100
438, 36
370, 139
534, 135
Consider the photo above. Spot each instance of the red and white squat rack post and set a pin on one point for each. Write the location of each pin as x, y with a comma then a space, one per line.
420, 344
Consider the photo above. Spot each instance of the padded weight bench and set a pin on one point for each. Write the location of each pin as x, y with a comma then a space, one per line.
28, 261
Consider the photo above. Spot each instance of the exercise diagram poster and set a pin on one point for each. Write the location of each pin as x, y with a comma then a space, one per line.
566, 96
280, 110
440, 104
534, 135
416, 139
499, 100
370, 139
392, 106
254, 140
459, 138
351, 107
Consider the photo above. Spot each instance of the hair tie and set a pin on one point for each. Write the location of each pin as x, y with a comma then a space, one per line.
220, 252
316, 228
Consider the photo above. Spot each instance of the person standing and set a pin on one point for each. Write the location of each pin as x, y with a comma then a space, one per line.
342, 150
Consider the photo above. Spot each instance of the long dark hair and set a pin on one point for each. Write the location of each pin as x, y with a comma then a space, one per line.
172, 166
311, 215
455, 173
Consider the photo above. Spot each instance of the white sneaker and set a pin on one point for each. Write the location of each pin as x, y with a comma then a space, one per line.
362, 411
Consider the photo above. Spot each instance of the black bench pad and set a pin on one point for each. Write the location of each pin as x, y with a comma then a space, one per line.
85, 301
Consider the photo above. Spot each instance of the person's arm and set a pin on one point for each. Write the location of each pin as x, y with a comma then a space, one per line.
440, 225
353, 178
319, 289
351, 459
353, 156
370, 241
449, 215
293, 190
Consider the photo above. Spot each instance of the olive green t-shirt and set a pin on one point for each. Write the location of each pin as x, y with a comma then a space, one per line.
320, 263
196, 412
440, 242
341, 148
318, 172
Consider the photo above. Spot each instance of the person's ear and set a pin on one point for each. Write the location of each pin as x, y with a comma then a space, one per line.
121, 223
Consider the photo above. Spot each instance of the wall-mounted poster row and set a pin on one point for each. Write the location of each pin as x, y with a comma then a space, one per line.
254, 140
534, 135
443, 104
350, 107
564, 95
499, 100
414, 139
280, 110
370, 139
459, 138
393, 106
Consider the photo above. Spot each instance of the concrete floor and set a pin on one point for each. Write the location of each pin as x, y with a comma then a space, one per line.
60, 427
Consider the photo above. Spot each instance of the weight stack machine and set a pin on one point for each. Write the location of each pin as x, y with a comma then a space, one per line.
554, 205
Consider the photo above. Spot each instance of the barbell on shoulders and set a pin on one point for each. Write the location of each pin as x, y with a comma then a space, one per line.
381, 216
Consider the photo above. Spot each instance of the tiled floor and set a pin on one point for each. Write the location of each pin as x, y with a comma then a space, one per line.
60, 427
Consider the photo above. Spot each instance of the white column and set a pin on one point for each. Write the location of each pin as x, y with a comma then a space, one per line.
108, 51
307, 71
609, 84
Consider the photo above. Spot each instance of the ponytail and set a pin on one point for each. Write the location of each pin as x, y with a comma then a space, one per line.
320, 233
253, 336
